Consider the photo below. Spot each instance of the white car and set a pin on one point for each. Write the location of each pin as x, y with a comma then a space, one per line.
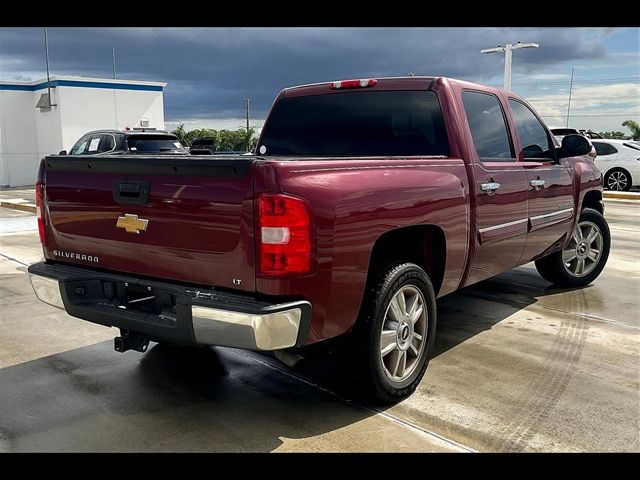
619, 162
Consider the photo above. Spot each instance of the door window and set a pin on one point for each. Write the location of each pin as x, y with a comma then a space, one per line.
488, 126
534, 138
94, 143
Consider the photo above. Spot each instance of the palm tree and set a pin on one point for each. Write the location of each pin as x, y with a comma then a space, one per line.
248, 136
181, 133
634, 127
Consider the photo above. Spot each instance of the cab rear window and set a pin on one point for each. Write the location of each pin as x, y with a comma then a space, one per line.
357, 123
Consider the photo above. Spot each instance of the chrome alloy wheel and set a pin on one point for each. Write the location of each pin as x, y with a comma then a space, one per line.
404, 333
617, 181
584, 250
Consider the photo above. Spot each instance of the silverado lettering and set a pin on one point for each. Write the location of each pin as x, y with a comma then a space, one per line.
76, 256
368, 200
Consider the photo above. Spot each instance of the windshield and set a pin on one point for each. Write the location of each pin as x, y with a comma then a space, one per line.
357, 123
154, 143
634, 145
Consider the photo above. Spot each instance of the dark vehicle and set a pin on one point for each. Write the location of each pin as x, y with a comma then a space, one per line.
565, 131
367, 200
590, 134
109, 142
561, 132
203, 146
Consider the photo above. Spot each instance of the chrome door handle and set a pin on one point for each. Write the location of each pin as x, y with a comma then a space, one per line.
537, 184
490, 187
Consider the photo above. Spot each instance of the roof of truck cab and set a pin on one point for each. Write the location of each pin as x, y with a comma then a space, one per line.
385, 83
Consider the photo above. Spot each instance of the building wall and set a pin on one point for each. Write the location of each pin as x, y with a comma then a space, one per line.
19, 138
27, 134
84, 109
48, 127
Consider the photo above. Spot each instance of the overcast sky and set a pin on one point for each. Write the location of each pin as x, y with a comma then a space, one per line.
210, 71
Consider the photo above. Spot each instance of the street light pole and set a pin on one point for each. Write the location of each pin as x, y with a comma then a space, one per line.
46, 56
113, 58
248, 137
569, 104
507, 49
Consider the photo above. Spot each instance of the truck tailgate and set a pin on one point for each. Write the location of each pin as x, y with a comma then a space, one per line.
198, 212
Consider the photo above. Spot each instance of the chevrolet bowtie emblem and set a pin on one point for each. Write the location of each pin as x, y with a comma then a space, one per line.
131, 223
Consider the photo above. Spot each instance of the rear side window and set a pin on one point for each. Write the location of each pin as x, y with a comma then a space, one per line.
107, 143
604, 148
533, 136
357, 123
487, 125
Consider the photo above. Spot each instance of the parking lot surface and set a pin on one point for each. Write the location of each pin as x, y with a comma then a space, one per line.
519, 366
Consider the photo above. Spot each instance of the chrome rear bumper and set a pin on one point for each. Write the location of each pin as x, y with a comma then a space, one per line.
204, 317
271, 331
47, 290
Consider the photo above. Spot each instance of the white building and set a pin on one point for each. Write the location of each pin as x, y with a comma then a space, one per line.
29, 129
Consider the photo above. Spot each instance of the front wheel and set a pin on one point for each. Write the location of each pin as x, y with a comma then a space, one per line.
397, 332
584, 257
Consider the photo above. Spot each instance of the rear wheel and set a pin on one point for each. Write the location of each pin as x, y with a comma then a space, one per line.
618, 180
585, 256
397, 332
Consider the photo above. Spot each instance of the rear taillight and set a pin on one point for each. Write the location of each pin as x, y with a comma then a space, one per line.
364, 83
39, 206
285, 236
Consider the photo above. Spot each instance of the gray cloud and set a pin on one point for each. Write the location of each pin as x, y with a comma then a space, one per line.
211, 70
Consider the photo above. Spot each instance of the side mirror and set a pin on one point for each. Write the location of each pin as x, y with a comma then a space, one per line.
62, 152
575, 146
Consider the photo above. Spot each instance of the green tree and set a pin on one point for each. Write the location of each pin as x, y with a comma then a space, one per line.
249, 137
231, 140
634, 127
180, 132
238, 140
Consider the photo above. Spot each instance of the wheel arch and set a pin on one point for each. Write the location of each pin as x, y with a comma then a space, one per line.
593, 199
424, 245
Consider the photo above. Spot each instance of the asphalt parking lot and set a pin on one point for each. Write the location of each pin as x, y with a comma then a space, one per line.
519, 366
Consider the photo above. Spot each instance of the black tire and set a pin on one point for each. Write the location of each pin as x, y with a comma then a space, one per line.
618, 179
553, 269
369, 331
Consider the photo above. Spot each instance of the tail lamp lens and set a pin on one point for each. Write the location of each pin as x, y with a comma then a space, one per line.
286, 245
41, 227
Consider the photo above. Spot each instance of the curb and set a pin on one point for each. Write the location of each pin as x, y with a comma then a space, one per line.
621, 195
24, 207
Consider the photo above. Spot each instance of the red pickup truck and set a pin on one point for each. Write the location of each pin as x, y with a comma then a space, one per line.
366, 200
